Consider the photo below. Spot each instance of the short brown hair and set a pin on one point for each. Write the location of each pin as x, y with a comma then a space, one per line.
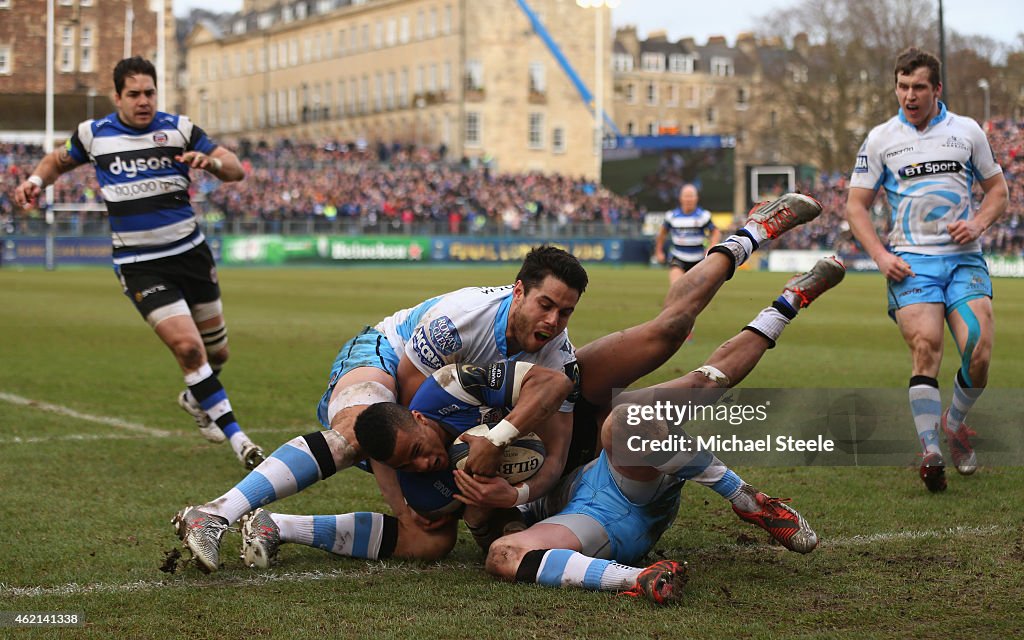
912, 59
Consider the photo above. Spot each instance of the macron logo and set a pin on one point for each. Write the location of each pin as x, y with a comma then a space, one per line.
132, 168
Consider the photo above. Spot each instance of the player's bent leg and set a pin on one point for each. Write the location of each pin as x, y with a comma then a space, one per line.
971, 324
921, 327
209, 319
506, 554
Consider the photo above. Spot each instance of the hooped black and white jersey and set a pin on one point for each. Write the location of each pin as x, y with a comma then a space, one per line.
145, 188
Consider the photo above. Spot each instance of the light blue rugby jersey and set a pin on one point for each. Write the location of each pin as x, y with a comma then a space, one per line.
145, 189
927, 176
469, 325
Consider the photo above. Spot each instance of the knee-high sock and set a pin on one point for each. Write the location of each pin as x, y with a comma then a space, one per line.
926, 407
294, 466
357, 535
566, 568
964, 397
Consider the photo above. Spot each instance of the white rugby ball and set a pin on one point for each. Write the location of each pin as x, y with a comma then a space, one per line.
520, 460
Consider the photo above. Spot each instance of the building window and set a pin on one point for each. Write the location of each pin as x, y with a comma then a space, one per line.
6, 63
535, 132
293, 52
85, 3
673, 95
403, 88
721, 66
622, 62
652, 62
300, 11
432, 78
710, 115
474, 75
5, 4
446, 77
85, 40
537, 80
631, 93
389, 91
403, 29
652, 128
420, 22
265, 20
432, 24
474, 129
391, 33
652, 93
378, 90
693, 96
630, 128
558, 140
742, 98
679, 63
67, 50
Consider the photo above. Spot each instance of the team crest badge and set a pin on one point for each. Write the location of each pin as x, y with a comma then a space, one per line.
160, 138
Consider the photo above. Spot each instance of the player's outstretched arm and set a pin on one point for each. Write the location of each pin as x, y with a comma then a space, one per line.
53, 164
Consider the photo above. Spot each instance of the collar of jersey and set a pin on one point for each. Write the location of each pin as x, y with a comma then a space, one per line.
501, 325
936, 120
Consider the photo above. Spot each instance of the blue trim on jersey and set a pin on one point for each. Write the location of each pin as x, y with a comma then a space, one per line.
595, 571
257, 490
936, 120
554, 567
409, 325
361, 534
150, 221
325, 529
193, 239
501, 325
299, 463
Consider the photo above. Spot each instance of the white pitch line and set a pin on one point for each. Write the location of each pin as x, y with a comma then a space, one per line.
71, 413
75, 437
865, 540
73, 588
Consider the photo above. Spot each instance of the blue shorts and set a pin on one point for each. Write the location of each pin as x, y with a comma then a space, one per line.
947, 279
632, 529
368, 349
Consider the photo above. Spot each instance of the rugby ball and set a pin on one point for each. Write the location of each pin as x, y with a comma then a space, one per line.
521, 459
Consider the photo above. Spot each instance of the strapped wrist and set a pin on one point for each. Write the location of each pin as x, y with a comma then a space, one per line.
502, 434
36, 180
522, 493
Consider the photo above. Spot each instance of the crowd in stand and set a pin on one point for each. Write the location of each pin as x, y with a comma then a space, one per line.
382, 185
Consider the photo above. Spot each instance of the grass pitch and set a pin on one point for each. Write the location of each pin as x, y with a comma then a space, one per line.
96, 458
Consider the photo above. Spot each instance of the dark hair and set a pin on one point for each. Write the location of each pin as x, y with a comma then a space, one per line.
132, 67
544, 261
912, 59
376, 428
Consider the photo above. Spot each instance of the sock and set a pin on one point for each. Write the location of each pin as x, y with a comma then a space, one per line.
702, 467
565, 568
737, 247
208, 392
371, 536
926, 406
964, 397
743, 496
756, 232
294, 466
772, 320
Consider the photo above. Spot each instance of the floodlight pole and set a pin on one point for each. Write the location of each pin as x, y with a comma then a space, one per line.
48, 135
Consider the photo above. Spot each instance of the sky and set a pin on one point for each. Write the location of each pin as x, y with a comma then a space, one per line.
998, 19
